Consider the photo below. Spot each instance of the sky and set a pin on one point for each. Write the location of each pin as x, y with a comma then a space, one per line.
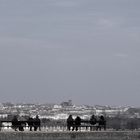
84, 50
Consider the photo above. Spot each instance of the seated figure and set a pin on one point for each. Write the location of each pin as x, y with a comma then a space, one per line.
15, 124
70, 123
30, 122
93, 121
77, 122
37, 123
102, 123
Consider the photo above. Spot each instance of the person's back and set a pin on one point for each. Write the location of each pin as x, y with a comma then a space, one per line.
77, 122
70, 122
30, 123
21, 125
93, 120
15, 123
102, 122
37, 123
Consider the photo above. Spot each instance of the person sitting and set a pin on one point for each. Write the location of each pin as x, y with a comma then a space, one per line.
21, 125
15, 124
70, 123
30, 122
37, 123
102, 123
93, 121
77, 122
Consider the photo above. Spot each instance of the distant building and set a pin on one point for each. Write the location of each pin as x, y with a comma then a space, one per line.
66, 104
57, 106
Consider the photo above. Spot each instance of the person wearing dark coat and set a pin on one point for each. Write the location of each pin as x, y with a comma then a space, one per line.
70, 123
93, 121
30, 123
102, 123
15, 124
77, 122
37, 123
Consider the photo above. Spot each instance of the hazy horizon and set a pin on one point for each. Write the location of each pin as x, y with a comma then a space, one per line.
84, 50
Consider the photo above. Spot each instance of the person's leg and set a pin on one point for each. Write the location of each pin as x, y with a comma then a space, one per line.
76, 128
73, 128
30, 128
68, 127
35, 128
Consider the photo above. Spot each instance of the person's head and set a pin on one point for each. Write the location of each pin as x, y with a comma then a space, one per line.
78, 117
102, 117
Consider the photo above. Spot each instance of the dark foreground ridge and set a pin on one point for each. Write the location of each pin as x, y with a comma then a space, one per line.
102, 135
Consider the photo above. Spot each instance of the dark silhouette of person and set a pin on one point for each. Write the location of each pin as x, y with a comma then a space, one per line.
15, 123
70, 123
102, 123
77, 122
30, 122
37, 123
93, 121
21, 125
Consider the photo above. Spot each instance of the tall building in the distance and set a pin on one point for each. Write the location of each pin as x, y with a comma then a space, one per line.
68, 103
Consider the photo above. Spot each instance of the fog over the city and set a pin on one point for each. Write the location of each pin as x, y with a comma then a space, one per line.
84, 50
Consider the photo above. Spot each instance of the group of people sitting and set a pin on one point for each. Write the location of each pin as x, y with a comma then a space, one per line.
95, 123
32, 123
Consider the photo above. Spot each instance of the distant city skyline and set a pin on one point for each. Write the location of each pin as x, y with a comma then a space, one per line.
84, 50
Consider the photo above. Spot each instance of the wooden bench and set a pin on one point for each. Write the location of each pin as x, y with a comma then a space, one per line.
87, 124
20, 125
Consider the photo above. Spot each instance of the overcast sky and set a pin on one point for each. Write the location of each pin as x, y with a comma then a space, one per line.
84, 50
